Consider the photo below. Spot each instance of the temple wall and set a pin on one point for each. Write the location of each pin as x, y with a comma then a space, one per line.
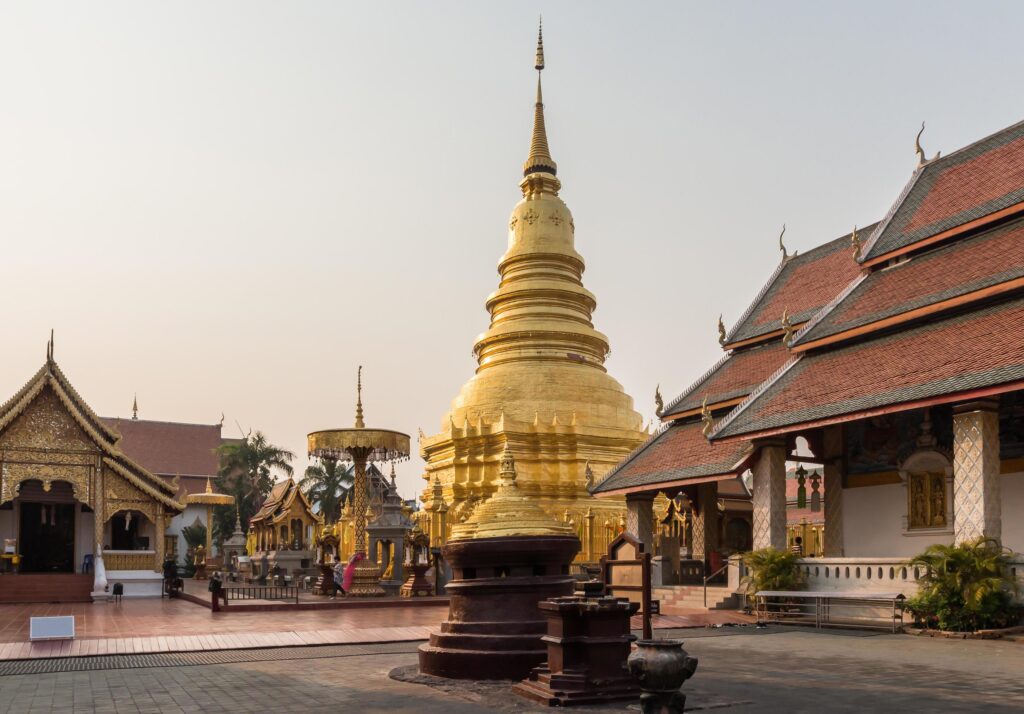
873, 518
1012, 494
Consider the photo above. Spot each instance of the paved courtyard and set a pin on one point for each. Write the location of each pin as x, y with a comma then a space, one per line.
740, 670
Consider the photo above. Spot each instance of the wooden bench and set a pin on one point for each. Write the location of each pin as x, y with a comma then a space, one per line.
832, 608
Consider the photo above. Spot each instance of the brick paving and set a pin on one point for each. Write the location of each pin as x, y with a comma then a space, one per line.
747, 671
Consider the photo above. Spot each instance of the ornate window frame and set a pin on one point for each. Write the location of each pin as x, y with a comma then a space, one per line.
921, 462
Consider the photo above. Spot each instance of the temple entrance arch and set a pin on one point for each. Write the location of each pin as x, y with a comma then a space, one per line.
47, 518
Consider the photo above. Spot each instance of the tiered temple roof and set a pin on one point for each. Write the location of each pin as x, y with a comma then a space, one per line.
927, 310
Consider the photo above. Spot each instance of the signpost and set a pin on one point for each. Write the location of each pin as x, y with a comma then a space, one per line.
626, 572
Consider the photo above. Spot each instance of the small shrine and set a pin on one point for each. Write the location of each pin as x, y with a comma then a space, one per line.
387, 535
283, 531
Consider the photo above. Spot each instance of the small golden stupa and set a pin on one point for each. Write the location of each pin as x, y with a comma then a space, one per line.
540, 385
508, 512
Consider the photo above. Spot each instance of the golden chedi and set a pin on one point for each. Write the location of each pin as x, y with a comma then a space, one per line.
540, 384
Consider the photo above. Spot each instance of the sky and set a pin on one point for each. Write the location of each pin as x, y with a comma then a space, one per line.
226, 207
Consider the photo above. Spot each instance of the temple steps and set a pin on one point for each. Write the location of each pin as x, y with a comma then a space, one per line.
678, 599
45, 587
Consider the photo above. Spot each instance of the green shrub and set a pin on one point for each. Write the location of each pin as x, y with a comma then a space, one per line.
964, 587
772, 569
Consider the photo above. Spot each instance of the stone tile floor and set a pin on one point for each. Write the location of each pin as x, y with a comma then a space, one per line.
155, 625
741, 670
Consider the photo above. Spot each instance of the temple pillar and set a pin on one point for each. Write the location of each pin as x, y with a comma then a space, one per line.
640, 518
976, 502
160, 529
99, 514
705, 521
769, 497
832, 480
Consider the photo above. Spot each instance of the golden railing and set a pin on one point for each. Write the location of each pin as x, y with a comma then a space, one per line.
130, 560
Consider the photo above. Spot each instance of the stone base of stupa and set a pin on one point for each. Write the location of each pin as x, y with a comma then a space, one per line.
494, 625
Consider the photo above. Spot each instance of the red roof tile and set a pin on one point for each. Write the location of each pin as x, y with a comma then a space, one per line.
803, 285
960, 353
169, 448
993, 257
678, 452
735, 376
973, 182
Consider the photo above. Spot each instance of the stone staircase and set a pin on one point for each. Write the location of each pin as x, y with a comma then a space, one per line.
679, 599
45, 587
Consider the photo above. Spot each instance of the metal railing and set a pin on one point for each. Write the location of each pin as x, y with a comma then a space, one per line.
284, 593
710, 577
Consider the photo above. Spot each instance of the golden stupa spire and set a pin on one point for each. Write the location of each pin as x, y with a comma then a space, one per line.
540, 160
359, 399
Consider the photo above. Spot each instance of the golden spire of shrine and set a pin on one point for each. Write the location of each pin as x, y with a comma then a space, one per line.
540, 160
359, 399
135, 408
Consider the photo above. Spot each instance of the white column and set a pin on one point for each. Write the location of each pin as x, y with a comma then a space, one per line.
640, 518
770, 496
976, 503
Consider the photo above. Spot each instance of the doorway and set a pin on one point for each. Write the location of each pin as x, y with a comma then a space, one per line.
47, 537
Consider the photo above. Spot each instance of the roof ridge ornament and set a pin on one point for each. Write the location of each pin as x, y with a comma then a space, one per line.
659, 402
706, 419
721, 331
49, 348
135, 407
921, 160
787, 328
855, 242
782, 246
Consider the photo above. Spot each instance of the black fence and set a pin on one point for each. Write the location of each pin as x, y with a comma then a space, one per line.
284, 593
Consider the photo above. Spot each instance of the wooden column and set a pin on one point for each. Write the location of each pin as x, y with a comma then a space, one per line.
640, 518
705, 521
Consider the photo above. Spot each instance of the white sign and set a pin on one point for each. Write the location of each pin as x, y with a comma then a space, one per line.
51, 628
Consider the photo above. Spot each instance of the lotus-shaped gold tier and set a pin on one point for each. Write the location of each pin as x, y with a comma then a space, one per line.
209, 498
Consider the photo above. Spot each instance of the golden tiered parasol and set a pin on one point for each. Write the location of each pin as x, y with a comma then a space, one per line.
360, 446
209, 499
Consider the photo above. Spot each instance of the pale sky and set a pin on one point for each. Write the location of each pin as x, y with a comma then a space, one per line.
227, 206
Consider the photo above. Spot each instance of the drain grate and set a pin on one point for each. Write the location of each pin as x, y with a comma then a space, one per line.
191, 659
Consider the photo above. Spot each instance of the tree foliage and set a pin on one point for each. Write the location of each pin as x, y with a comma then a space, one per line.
965, 587
247, 472
325, 484
772, 569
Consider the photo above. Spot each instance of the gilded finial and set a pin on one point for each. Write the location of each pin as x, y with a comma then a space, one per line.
659, 403
135, 408
49, 348
359, 399
855, 242
705, 417
209, 486
921, 160
721, 331
782, 246
589, 473
787, 328
540, 160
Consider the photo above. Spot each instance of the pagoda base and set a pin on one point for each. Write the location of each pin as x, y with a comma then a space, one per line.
494, 627
366, 580
417, 584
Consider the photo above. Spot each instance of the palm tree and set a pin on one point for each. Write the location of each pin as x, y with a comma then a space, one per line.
325, 484
247, 473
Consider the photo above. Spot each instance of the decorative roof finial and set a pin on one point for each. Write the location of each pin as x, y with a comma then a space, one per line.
359, 399
921, 160
782, 246
659, 403
540, 160
787, 328
721, 331
855, 242
135, 408
705, 417
589, 474
49, 348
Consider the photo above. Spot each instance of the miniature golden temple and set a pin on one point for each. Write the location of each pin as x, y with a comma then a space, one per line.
540, 386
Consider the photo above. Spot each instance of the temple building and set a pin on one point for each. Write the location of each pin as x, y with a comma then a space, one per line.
179, 453
286, 528
892, 359
541, 387
69, 493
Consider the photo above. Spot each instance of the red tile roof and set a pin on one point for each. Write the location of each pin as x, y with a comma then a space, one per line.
993, 257
802, 285
679, 451
961, 353
978, 180
735, 376
169, 448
